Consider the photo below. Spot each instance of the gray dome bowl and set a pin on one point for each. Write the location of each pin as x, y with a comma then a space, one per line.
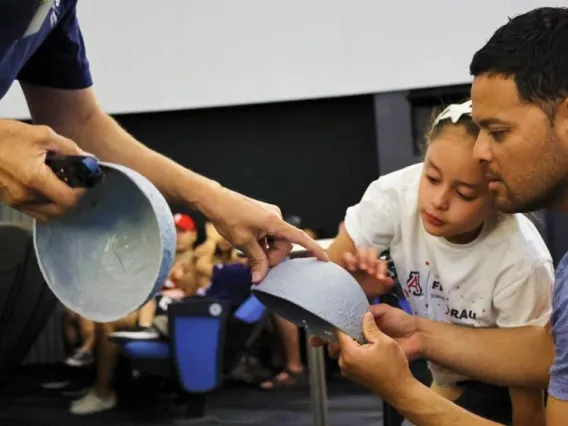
111, 252
320, 296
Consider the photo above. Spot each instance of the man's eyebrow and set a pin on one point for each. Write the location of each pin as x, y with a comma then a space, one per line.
491, 121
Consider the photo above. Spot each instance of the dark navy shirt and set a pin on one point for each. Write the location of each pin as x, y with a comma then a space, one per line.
41, 43
558, 386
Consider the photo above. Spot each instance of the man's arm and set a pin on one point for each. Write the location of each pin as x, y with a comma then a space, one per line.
381, 366
241, 220
528, 407
424, 407
557, 404
76, 114
516, 357
556, 411
490, 355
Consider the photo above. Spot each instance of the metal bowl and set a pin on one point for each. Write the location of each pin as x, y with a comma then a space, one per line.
320, 296
112, 252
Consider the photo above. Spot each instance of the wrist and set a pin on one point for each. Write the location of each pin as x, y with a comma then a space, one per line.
402, 396
202, 193
421, 405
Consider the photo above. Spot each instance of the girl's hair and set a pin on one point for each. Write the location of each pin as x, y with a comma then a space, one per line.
454, 114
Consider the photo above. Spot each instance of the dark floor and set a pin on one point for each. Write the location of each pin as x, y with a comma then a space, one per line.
25, 403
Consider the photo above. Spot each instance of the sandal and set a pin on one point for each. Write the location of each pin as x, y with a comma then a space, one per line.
294, 379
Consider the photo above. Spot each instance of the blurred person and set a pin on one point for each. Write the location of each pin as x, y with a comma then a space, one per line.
80, 340
293, 374
79, 330
139, 325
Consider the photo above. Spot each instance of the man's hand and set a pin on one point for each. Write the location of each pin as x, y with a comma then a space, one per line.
371, 272
379, 365
257, 229
393, 322
400, 326
27, 184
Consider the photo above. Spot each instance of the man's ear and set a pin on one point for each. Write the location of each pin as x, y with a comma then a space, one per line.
561, 119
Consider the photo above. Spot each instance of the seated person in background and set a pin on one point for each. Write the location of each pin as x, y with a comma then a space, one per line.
214, 253
294, 373
464, 262
79, 340
138, 324
79, 330
219, 273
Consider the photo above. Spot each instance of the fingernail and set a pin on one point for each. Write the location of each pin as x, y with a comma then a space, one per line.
256, 276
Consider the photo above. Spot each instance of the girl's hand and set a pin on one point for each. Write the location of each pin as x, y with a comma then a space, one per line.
369, 270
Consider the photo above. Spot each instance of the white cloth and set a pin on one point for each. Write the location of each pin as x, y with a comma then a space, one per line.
501, 279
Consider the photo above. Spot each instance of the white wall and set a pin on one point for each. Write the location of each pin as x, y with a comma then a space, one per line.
175, 54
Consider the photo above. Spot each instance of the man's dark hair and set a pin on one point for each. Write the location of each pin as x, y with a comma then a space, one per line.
531, 48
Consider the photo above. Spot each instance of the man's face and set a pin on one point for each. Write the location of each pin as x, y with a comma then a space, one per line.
526, 156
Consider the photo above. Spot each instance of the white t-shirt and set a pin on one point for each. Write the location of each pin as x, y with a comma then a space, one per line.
501, 279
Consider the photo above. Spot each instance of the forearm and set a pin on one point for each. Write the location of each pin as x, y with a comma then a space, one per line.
528, 407
424, 407
100, 135
188, 282
204, 267
516, 357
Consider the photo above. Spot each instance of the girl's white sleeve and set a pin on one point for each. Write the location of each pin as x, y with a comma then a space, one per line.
372, 222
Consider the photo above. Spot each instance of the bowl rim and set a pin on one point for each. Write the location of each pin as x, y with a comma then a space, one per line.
125, 171
257, 288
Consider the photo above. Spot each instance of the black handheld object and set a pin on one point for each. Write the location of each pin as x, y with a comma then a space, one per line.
77, 171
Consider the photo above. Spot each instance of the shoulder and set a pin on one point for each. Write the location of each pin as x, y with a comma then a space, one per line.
559, 372
401, 184
402, 179
398, 189
519, 240
519, 254
63, 7
560, 298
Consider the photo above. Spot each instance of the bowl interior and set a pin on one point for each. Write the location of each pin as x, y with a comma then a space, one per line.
297, 315
102, 259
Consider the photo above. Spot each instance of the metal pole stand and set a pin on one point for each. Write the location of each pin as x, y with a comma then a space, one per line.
318, 385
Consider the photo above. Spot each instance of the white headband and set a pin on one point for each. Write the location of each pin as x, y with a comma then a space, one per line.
454, 112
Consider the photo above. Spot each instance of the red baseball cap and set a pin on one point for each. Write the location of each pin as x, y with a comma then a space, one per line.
184, 222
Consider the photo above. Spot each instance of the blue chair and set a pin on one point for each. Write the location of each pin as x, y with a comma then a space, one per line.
194, 352
393, 300
250, 311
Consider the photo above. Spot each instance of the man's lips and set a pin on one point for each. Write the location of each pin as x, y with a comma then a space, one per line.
493, 181
492, 177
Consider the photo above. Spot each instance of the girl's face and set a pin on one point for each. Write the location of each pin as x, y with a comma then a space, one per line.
185, 239
453, 197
